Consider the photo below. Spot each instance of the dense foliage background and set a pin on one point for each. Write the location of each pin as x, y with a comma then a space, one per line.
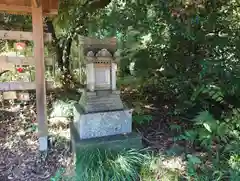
184, 55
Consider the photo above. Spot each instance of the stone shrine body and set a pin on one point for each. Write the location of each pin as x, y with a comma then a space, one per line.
100, 111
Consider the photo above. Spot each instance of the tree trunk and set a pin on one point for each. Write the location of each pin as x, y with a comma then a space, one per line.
63, 49
68, 77
56, 45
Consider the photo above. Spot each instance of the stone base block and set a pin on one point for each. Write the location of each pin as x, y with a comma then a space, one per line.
92, 125
116, 142
100, 101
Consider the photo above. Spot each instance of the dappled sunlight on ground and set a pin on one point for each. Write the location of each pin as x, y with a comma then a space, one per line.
20, 159
19, 156
174, 163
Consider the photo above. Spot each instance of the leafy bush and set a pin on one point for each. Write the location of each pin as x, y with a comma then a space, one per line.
221, 139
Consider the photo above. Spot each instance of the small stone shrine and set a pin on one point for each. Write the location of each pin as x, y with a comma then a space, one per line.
101, 117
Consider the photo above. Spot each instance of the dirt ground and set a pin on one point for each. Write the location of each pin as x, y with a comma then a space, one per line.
20, 159
19, 156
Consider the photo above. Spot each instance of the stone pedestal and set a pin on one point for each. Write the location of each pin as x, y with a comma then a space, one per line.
101, 113
115, 142
100, 124
101, 120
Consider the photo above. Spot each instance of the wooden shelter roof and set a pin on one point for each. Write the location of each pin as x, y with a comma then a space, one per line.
50, 7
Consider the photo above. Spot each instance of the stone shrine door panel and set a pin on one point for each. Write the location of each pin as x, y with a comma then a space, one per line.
102, 76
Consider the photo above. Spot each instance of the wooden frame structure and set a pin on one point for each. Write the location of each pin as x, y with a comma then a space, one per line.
38, 9
11, 61
21, 35
49, 7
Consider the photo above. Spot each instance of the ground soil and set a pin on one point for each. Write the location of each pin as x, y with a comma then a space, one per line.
19, 156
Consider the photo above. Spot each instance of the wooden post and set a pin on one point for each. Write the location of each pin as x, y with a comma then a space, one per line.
37, 23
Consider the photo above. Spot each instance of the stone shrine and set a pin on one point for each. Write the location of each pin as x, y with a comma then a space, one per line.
100, 112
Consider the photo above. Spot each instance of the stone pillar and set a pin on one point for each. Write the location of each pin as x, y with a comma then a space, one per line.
114, 77
90, 71
114, 69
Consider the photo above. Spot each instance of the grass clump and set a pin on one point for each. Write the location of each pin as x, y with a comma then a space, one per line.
109, 165
126, 165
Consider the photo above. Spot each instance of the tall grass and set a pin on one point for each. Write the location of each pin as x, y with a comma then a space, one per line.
106, 165
126, 165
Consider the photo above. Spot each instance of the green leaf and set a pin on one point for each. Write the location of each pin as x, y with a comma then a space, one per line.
215, 96
203, 134
196, 93
222, 129
219, 99
193, 159
207, 126
204, 116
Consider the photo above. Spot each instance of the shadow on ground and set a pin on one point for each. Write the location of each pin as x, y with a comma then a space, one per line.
20, 159
19, 156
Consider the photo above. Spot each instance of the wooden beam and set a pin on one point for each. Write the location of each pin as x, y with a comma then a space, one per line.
10, 61
11, 95
37, 23
36, 3
6, 66
21, 35
18, 85
12, 8
15, 9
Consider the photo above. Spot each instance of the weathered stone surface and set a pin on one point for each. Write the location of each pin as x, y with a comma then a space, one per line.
116, 142
91, 125
101, 93
101, 101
